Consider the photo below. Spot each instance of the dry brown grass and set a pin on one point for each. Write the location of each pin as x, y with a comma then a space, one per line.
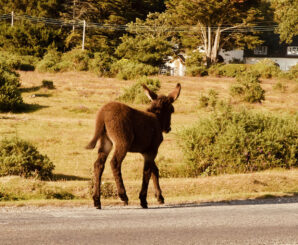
63, 123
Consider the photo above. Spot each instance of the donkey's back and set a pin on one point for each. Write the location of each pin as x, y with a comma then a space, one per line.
137, 131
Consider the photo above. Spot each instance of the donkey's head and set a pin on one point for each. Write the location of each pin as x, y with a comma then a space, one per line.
162, 107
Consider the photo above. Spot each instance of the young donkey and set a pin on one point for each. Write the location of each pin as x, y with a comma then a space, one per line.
131, 130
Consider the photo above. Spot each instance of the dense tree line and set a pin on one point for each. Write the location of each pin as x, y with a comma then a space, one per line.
153, 32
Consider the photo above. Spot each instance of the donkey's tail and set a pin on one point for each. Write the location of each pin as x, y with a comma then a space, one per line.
99, 131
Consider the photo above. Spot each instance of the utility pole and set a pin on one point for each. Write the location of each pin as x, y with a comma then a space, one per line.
73, 13
11, 18
84, 30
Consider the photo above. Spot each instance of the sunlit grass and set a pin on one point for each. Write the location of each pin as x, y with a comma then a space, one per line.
63, 123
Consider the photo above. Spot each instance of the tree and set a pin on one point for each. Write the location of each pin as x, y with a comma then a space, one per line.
218, 23
150, 41
37, 8
109, 13
286, 15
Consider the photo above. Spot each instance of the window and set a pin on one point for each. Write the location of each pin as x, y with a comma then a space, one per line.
261, 50
292, 50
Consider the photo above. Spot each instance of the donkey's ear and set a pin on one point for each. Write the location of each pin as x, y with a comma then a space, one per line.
150, 94
175, 94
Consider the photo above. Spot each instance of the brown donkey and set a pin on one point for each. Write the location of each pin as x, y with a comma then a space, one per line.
131, 130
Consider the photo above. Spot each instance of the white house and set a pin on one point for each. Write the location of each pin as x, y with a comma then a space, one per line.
175, 67
285, 55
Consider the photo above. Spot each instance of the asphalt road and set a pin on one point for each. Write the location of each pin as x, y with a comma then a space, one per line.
241, 223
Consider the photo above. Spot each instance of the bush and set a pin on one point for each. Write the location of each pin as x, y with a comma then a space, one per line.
228, 70
232, 70
50, 62
266, 68
47, 84
75, 60
10, 95
280, 87
240, 142
195, 71
248, 88
292, 74
195, 65
128, 69
17, 62
135, 93
102, 64
18, 157
210, 100
214, 70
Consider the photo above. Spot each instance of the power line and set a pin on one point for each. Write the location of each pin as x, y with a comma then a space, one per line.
138, 27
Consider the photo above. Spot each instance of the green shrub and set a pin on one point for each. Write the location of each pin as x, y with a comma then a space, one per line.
58, 194
291, 74
195, 65
232, 70
214, 70
10, 95
228, 70
75, 60
101, 64
248, 88
195, 71
128, 69
18, 62
210, 100
266, 68
50, 62
240, 142
280, 87
135, 93
47, 84
18, 157
108, 190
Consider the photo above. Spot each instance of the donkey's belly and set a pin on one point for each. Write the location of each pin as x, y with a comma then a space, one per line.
146, 143
140, 147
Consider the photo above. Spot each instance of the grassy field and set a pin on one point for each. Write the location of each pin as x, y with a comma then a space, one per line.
60, 123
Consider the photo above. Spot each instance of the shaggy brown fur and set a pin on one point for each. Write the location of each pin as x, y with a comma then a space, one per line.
131, 130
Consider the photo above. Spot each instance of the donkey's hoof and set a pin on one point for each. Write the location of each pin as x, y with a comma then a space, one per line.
97, 203
144, 205
124, 198
161, 200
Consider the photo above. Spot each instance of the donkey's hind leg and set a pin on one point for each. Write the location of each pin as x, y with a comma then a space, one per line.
99, 165
116, 163
150, 168
155, 178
